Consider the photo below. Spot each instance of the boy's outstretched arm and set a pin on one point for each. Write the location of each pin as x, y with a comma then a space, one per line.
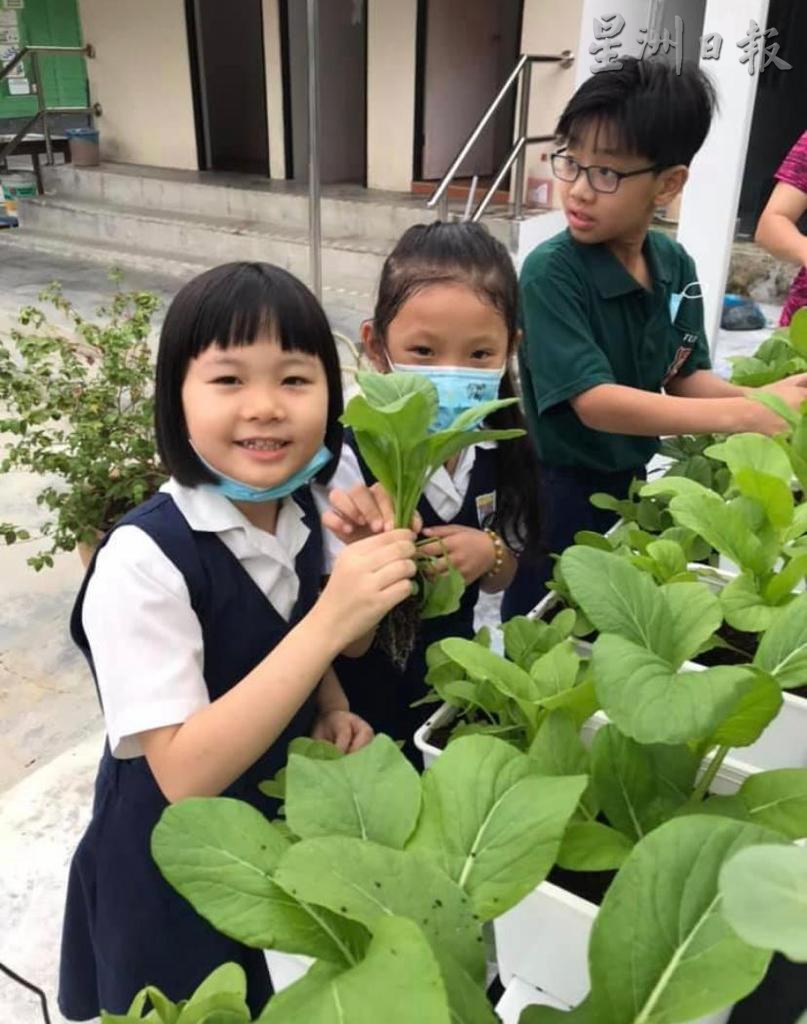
617, 409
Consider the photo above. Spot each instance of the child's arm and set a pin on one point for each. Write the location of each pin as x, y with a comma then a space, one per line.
618, 409
777, 230
335, 722
212, 748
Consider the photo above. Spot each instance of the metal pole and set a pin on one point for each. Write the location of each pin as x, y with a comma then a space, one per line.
314, 222
43, 112
523, 115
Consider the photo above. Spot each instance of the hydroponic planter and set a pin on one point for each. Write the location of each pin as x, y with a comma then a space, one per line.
543, 943
286, 968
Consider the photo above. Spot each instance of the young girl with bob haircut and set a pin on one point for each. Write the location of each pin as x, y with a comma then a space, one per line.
202, 620
447, 309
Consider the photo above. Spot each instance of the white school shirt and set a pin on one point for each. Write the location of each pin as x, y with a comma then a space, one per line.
145, 638
445, 492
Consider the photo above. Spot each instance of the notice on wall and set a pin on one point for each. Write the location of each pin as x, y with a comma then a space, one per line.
9, 36
8, 19
13, 5
19, 87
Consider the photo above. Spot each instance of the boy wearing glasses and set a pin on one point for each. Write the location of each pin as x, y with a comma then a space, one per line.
614, 352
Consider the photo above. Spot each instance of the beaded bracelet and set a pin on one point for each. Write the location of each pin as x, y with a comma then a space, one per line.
498, 552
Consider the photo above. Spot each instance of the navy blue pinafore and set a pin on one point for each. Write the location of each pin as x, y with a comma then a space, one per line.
125, 926
378, 691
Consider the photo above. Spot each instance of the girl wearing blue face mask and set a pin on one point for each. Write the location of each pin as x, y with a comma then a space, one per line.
447, 309
202, 621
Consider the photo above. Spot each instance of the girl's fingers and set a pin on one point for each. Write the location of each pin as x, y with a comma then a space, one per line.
345, 507
384, 505
394, 572
362, 734
338, 526
367, 507
440, 531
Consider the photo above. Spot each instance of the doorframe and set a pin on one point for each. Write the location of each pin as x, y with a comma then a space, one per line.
285, 57
203, 143
197, 91
419, 139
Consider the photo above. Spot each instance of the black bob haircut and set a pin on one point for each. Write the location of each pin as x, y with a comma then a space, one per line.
234, 305
645, 108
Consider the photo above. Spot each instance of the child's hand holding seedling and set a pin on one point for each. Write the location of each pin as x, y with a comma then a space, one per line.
473, 553
362, 511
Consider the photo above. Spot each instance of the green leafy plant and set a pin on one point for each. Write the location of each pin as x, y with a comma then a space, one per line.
663, 947
757, 525
764, 891
779, 356
79, 407
391, 423
381, 875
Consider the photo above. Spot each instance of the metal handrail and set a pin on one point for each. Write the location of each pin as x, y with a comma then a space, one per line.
523, 72
43, 110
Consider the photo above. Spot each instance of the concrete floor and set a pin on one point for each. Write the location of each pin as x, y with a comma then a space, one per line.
50, 727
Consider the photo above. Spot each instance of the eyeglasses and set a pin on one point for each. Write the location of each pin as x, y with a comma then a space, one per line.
601, 179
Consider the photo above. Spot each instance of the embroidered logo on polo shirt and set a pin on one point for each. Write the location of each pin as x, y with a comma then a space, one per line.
681, 357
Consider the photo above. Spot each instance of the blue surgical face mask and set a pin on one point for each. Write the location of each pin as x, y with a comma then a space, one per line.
236, 490
459, 388
678, 297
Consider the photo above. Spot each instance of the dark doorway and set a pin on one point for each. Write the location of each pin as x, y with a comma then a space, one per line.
343, 89
780, 112
227, 59
466, 49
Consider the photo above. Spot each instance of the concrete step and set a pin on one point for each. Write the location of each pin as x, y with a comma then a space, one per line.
174, 267
347, 262
346, 211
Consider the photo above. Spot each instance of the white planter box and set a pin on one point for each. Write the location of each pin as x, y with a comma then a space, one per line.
518, 995
286, 968
543, 943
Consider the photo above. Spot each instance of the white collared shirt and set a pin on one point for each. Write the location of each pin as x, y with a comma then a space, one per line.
145, 638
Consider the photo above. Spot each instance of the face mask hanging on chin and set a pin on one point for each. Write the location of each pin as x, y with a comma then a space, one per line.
237, 490
459, 388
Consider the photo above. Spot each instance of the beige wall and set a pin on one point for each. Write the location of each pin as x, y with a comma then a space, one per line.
141, 78
274, 88
391, 30
549, 27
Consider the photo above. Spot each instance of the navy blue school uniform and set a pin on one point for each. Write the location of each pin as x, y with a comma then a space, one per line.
378, 691
125, 926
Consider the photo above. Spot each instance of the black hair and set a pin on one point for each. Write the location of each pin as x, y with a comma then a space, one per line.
647, 109
234, 305
466, 253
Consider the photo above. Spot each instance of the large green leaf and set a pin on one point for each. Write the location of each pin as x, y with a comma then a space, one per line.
693, 612
305, 746
556, 671
782, 651
797, 333
492, 822
593, 846
363, 881
373, 794
443, 446
764, 890
752, 714
398, 981
622, 781
773, 495
384, 390
777, 799
755, 452
651, 703
661, 951
221, 855
616, 596
744, 606
582, 1014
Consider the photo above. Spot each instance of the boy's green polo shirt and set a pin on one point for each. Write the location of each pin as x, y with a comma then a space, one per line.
587, 321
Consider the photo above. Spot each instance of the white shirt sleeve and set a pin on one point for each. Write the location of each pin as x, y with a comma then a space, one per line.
348, 473
145, 639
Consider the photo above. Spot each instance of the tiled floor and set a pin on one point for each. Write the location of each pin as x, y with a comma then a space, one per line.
50, 728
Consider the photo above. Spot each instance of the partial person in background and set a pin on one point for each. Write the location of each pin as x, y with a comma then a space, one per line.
778, 230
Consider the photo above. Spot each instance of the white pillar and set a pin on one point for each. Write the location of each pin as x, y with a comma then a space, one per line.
712, 195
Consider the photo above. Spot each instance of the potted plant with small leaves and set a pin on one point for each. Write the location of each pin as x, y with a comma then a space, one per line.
78, 405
